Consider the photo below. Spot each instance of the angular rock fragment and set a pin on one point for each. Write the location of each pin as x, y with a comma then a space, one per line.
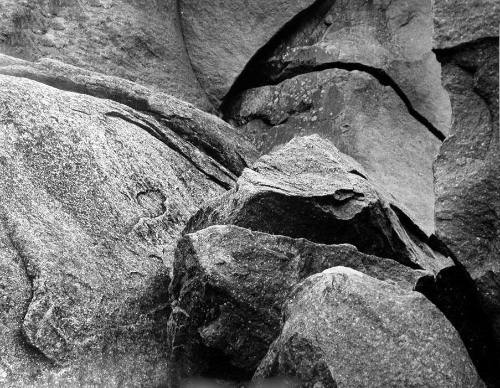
91, 204
229, 285
361, 117
138, 40
345, 328
308, 189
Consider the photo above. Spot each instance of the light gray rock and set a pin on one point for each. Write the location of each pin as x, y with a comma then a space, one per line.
345, 328
91, 205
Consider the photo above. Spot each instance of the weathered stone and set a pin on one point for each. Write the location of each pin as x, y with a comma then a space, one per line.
467, 169
345, 328
458, 21
308, 189
229, 284
91, 205
205, 131
363, 118
221, 36
391, 40
140, 40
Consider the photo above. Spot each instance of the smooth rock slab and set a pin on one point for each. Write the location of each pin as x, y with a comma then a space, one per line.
91, 205
228, 288
344, 328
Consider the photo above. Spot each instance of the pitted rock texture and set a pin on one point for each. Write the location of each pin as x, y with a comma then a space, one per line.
309, 189
140, 40
221, 36
392, 40
228, 287
91, 207
363, 118
396, 337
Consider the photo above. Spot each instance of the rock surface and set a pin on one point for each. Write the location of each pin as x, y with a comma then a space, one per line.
228, 287
140, 40
391, 40
223, 35
308, 189
459, 21
394, 336
364, 119
91, 205
467, 170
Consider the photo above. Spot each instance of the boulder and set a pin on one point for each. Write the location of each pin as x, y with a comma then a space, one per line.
363, 118
206, 132
458, 21
140, 40
345, 328
222, 36
93, 197
466, 173
308, 189
391, 40
228, 287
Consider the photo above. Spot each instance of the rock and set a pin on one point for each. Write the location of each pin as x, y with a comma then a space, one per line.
92, 200
391, 40
137, 40
206, 132
458, 21
363, 118
222, 36
345, 328
308, 189
228, 287
466, 172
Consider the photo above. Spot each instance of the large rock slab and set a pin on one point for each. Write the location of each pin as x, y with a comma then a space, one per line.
467, 170
222, 36
206, 132
391, 40
308, 189
344, 328
140, 40
458, 21
228, 287
93, 197
362, 117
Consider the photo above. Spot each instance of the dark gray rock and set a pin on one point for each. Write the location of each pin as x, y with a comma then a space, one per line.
91, 205
363, 118
228, 288
345, 328
308, 189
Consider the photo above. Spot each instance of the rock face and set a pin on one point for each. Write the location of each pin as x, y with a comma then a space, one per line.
91, 205
391, 40
458, 21
229, 284
466, 171
363, 118
309, 189
344, 328
222, 36
140, 40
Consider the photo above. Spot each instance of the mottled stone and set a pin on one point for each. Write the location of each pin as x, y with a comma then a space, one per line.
345, 328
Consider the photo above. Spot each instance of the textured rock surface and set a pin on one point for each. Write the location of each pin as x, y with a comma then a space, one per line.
229, 284
363, 118
396, 337
467, 170
459, 21
140, 40
223, 35
389, 39
91, 205
309, 189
